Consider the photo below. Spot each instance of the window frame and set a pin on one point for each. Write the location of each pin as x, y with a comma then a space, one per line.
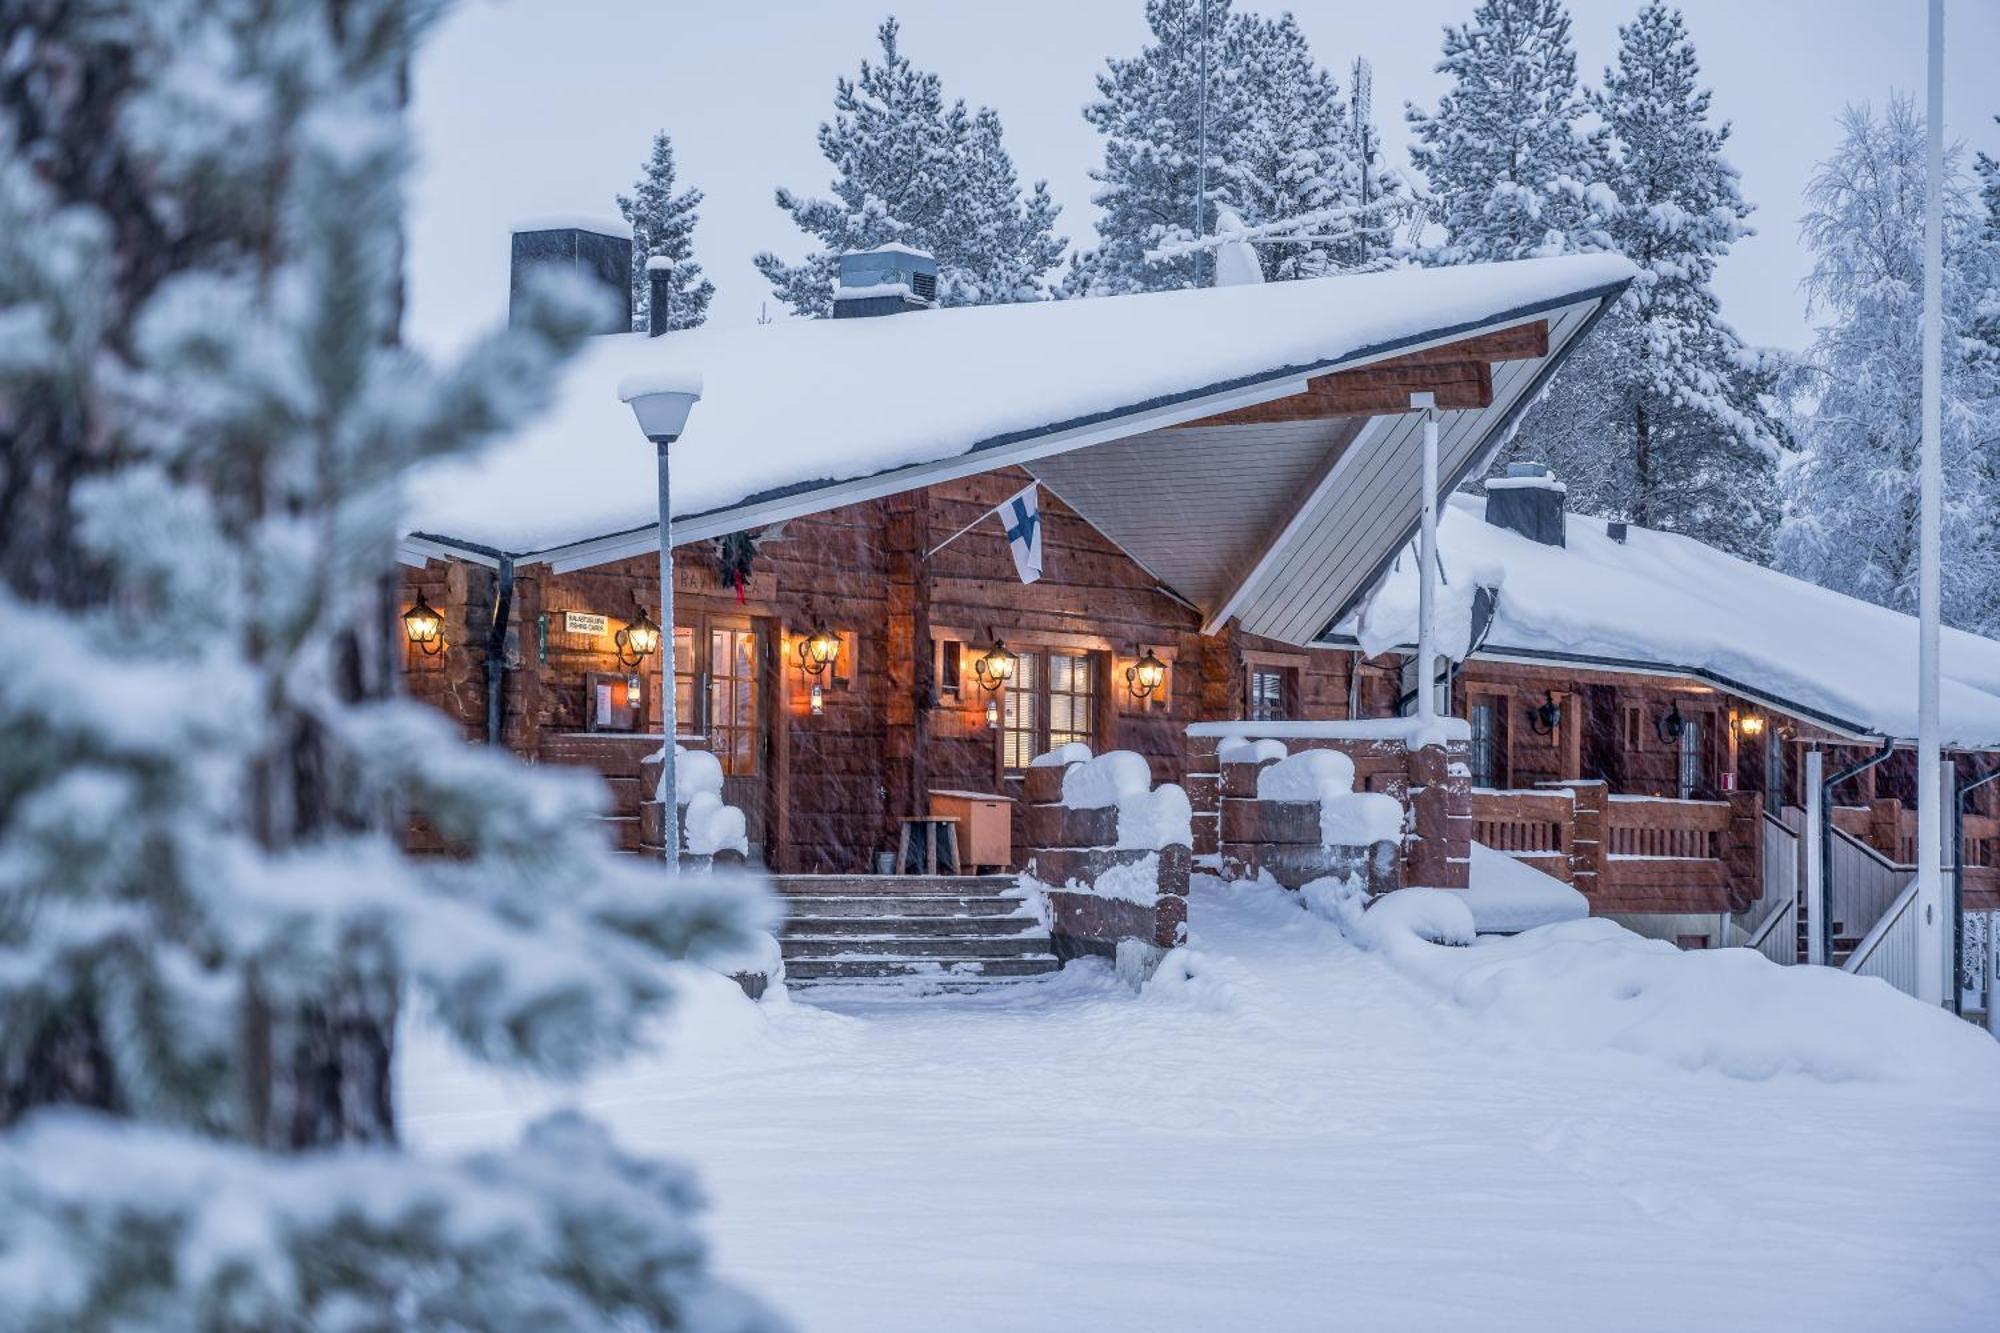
1040, 695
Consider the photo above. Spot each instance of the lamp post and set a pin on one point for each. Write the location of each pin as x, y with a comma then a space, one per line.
661, 402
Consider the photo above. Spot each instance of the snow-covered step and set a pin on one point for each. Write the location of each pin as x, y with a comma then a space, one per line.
933, 969
850, 886
904, 905
797, 925
905, 946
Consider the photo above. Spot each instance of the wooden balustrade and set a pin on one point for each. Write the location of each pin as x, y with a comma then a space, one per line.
1532, 826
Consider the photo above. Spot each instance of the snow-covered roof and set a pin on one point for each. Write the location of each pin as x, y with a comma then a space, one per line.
805, 415
1665, 601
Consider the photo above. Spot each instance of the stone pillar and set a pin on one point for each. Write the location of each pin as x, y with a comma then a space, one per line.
1587, 846
1743, 851
1071, 851
1203, 777
1439, 854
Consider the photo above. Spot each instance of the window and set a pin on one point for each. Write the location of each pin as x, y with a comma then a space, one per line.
1694, 759
687, 718
1051, 701
732, 699
950, 665
1635, 728
1270, 694
1484, 716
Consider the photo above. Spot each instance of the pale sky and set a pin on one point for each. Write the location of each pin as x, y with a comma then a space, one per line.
537, 107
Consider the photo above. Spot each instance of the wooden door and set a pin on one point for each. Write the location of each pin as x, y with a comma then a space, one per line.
1603, 736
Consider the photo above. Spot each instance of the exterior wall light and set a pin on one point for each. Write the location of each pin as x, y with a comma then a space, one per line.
1545, 717
992, 715
818, 650
1145, 676
425, 627
1671, 724
1752, 725
638, 640
995, 666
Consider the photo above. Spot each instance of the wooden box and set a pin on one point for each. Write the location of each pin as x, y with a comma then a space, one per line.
985, 826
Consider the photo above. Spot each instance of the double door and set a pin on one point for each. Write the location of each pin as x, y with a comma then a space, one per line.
724, 685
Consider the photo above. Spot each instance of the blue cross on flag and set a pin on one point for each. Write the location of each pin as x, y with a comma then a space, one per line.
1022, 519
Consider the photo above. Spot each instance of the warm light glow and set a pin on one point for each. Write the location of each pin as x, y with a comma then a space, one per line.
638, 640
818, 700
1752, 724
1146, 675
995, 666
425, 627
992, 715
818, 650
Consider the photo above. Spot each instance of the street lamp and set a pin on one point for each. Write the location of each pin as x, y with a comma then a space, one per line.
661, 401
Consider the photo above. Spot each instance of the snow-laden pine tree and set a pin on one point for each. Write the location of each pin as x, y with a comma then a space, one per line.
1665, 418
208, 923
914, 169
1510, 167
1852, 499
663, 224
1281, 144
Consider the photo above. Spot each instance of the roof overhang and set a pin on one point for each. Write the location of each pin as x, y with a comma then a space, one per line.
1291, 569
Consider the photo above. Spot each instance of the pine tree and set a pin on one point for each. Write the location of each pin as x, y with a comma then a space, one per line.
1281, 144
207, 920
663, 224
1666, 418
1852, 500
1511, 171
915, 170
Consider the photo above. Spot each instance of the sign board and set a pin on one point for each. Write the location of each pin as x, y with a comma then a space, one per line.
582, 622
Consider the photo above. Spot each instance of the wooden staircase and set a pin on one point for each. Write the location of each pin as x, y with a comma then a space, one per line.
948, 932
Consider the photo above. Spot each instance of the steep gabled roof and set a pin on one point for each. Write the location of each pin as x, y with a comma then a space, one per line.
1664, 602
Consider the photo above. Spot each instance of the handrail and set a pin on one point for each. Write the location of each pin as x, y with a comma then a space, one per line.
1779, 911
1880, 930
1873, 852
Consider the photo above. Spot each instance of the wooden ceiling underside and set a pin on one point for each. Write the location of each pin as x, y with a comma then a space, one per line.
1459, 373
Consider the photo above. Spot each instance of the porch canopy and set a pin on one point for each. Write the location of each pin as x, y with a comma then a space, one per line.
1251, 446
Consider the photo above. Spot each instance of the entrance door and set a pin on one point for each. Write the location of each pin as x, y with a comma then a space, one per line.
739, 719
1603, 739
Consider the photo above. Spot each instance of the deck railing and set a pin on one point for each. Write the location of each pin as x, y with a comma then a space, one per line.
1889, 949
1532, 826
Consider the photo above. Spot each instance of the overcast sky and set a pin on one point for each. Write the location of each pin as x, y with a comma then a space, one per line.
534, 107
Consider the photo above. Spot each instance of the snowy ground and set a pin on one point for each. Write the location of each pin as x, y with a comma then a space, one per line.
1303, 1135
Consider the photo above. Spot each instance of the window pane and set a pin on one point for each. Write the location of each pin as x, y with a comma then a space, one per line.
687, 720
1485, 768
1018, 715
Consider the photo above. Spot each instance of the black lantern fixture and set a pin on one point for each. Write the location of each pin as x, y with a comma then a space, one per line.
638, 640
818, 650
1146, 675
1671, 724
995, 666
425, 627
1546, 716
1751, 725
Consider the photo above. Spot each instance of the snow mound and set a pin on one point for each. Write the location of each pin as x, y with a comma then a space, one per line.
1076, 752
1420, 917
708, 826
1347, 818
695, 772
1592, 984
1245, 750
1103, 782
1508, 896
1155, 819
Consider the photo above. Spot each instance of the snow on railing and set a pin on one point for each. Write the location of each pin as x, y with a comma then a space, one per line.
1889, 950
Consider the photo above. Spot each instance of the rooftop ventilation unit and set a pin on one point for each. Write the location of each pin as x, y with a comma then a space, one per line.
884, 281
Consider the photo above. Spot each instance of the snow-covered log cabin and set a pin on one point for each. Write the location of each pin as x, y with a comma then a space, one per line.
1217, 479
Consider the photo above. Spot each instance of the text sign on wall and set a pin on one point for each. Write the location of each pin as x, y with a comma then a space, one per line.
582, 622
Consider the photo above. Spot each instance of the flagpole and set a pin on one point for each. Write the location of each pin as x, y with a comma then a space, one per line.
1931, 933
961, 532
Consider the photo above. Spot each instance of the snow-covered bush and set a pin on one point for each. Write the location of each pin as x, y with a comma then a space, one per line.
208, 923
708, 826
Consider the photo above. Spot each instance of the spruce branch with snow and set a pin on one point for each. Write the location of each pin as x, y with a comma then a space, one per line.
915, 170
663, 225
1666, 418
208, 923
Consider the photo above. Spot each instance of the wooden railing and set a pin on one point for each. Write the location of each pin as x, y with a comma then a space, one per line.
1535, 827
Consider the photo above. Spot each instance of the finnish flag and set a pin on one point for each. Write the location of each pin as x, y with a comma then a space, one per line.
1022, 519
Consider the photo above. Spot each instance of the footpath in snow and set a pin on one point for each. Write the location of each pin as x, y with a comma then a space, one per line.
1572, 1128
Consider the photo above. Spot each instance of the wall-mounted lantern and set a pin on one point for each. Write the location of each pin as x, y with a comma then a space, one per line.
995, 666
1546, 716
1751, 725
638, 640
1671, 724
1145, 676
818, 650
425, 627
993, 715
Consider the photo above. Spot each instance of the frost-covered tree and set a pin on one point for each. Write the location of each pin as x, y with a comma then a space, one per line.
1509, 165
1665, 418
1281, 141
914, 169
207, 919
1852, 500
663, 224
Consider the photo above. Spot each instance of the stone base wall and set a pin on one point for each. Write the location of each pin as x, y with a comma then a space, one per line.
1073, 851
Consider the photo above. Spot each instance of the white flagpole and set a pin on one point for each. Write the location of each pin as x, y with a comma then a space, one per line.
1931, 926
1427, 546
